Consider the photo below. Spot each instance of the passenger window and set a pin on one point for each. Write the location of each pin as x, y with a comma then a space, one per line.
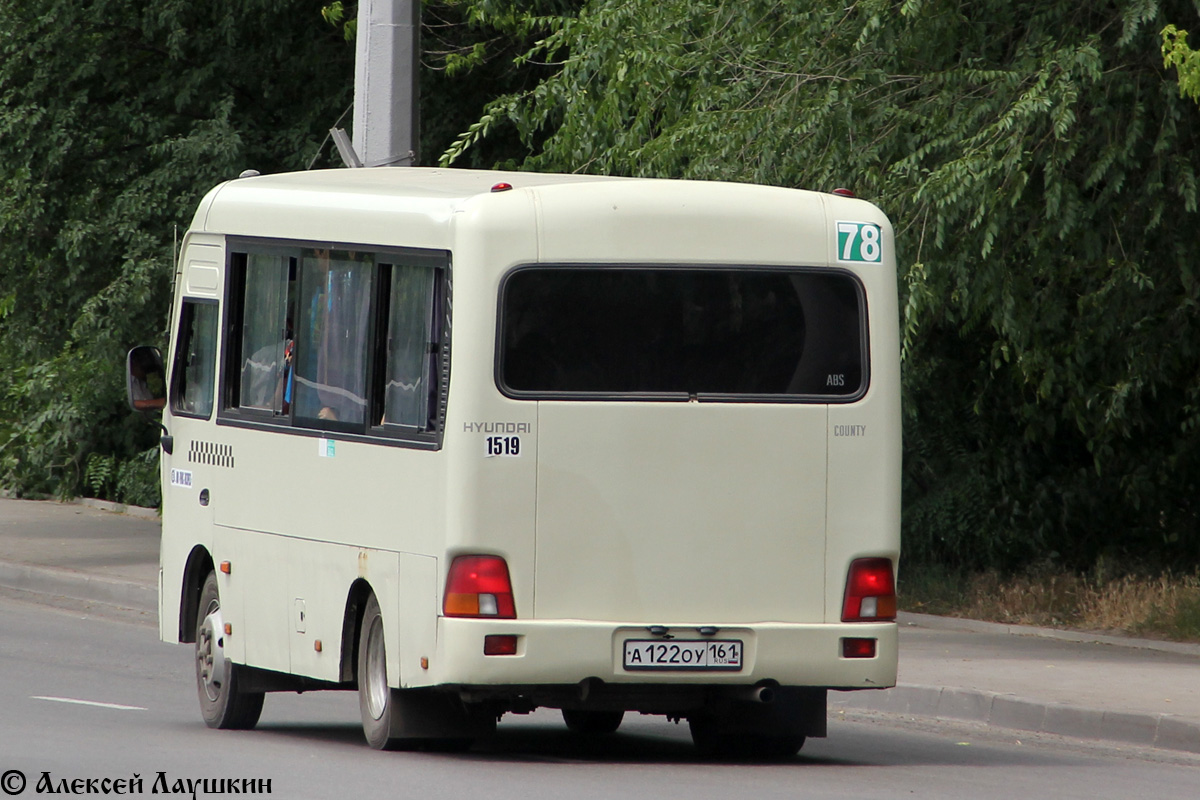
195, 360
409, 368
346, 341
266, 333
334, 306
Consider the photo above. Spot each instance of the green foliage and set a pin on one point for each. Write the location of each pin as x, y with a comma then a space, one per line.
1177, 54
335, 14
469, 50
115, 117
471, 53
1041, 170
133, 481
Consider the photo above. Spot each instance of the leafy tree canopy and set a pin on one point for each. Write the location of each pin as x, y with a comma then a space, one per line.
1177, 53
1041, 169
115, 116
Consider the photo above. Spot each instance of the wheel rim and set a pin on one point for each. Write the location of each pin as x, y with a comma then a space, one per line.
210, 652
376, 677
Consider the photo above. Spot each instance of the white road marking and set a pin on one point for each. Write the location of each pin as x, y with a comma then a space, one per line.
72, 700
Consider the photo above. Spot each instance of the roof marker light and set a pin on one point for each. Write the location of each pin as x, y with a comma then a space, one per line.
841, 192
502, 187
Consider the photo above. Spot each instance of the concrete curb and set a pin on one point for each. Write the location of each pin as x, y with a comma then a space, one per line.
975, 626
118, 508
1007, 711
79, 586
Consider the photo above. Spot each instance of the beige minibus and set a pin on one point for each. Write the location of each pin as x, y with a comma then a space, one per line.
472, 443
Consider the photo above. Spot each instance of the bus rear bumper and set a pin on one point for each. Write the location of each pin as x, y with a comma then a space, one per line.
574, 652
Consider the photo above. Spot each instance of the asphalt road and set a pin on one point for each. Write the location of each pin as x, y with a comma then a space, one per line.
86, 697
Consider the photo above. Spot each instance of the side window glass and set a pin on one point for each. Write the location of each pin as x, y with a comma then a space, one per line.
410, 355
266, 333
333, 317
193, 374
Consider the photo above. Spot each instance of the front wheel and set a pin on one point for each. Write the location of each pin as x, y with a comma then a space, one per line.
218, 681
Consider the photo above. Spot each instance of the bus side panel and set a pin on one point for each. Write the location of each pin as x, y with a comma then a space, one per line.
417, 613
319, 580
254, 597
490, 502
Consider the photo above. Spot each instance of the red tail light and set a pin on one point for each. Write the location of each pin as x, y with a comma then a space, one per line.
870, 591
858, 648
478, 586
500, 644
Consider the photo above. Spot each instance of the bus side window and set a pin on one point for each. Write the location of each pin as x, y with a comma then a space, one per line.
266, 331
193, 375
330, 362
407, 377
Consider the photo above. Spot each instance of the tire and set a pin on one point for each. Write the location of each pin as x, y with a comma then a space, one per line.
408, 719
375, 702
713, 741
592, 723
218, 680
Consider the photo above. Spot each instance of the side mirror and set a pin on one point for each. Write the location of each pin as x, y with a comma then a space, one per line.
145, 379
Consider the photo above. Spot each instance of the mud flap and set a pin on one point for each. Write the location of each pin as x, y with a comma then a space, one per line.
422, 714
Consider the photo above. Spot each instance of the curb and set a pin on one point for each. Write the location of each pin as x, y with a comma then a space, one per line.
909, 619
79, 586
1165, 731
118, 508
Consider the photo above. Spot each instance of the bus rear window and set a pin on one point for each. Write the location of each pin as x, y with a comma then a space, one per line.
676, 333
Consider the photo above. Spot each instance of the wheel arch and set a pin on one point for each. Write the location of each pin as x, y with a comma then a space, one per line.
356, 601
199, 564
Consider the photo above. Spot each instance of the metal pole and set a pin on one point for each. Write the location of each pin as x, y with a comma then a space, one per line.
386, 93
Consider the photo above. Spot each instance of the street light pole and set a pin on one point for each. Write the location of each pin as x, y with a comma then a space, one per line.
386, 92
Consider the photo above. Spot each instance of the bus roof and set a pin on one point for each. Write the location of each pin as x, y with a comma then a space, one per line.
417, 207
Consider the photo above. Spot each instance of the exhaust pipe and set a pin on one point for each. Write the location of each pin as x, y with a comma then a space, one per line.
755, 694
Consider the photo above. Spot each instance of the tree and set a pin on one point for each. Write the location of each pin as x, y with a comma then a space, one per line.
115, 117
1177, 53
1041, 169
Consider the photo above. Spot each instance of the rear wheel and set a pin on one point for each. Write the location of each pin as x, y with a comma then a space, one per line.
374, 694
405, 719
592, 723
218, 681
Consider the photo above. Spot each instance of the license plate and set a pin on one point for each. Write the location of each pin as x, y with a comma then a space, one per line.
723, 655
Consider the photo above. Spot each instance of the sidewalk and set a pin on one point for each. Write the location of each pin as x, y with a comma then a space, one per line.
1029, 679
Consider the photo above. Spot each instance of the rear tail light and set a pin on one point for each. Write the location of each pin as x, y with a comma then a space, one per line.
478, 586
870, 591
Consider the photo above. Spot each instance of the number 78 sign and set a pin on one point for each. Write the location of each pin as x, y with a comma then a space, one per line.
859, 242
